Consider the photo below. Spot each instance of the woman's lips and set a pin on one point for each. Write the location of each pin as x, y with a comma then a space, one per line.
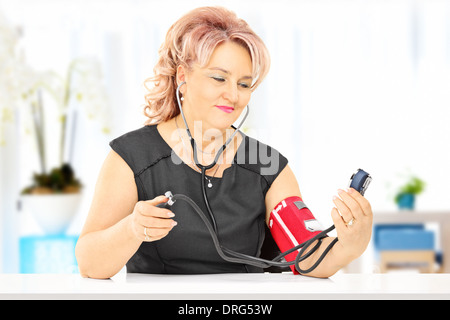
226, 109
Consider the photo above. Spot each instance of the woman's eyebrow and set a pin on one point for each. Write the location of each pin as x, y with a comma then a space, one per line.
228, 72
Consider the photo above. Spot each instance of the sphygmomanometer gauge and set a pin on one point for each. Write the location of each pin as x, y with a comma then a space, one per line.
360, 181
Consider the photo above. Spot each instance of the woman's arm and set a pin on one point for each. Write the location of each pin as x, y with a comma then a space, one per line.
113, 230
353, 240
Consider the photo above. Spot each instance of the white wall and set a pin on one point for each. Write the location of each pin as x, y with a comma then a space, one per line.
352, 84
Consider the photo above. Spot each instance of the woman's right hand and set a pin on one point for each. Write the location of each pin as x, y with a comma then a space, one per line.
150, 223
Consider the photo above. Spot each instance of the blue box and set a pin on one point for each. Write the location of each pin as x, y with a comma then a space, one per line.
405, 239
48, 254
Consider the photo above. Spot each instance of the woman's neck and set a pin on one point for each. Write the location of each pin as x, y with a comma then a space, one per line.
206, 137
208, 140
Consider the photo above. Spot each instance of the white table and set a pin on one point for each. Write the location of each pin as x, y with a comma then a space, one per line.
284, 286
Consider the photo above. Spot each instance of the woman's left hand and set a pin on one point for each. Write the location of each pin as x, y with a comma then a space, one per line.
352, 218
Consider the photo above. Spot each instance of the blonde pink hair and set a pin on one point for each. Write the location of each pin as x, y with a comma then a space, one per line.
192, 40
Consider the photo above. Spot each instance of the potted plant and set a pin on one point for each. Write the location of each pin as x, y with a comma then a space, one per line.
53, 198
406, 194
54, 195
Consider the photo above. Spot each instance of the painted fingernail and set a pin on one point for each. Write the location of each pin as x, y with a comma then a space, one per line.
340, 191
334, 198
174, 223
171, 214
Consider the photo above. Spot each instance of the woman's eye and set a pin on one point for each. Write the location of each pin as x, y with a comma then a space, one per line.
241, 84
219, 79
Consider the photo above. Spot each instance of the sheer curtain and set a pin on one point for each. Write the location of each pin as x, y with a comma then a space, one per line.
352, 84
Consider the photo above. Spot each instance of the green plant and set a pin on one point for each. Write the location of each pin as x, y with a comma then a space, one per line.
413, 186
59, 180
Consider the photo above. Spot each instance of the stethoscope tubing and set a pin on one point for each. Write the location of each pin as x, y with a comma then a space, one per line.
192, 140
203, 168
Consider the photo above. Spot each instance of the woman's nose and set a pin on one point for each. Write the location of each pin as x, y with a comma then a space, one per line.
231, 94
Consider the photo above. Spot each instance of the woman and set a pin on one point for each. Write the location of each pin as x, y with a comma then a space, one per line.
216, 61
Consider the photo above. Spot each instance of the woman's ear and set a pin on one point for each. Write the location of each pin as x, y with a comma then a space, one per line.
181, 74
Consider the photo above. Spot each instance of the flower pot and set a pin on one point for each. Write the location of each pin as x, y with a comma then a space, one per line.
406, 201
53, 212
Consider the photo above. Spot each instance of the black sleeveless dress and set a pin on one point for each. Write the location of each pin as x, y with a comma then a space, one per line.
237, 201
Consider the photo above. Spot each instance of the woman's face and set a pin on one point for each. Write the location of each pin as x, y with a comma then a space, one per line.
217, 93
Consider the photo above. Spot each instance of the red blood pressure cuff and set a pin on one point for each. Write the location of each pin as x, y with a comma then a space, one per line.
291, 223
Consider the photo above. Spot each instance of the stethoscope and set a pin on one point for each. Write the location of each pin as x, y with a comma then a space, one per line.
203, 168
